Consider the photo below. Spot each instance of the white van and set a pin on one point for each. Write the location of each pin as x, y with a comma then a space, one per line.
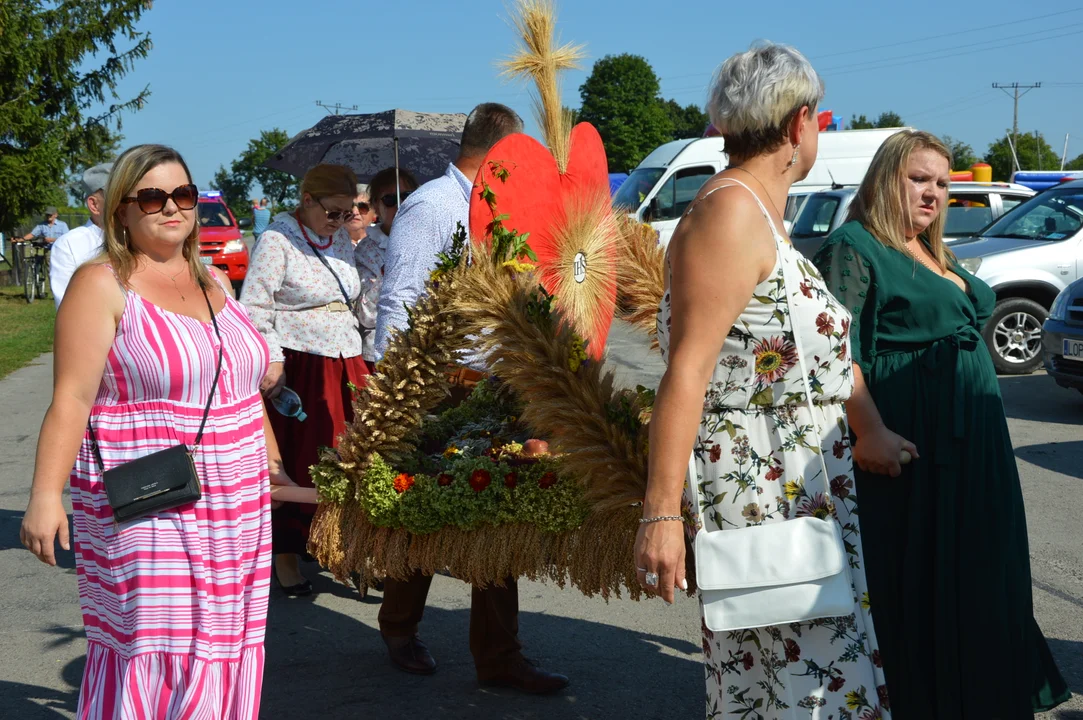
661, 187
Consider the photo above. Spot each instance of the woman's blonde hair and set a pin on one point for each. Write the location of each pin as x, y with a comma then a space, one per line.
326, 180
880, 204
756, 94
128, 170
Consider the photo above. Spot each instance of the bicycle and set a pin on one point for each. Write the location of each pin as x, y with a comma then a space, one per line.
35, 257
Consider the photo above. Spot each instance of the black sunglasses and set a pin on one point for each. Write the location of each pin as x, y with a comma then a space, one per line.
391, 201
152, 200
362, 207
336, 215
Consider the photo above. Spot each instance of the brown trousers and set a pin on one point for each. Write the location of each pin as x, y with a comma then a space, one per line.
494, 619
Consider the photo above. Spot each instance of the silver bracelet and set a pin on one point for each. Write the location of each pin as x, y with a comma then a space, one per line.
660, 518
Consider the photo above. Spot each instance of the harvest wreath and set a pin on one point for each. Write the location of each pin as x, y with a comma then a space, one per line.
416, 484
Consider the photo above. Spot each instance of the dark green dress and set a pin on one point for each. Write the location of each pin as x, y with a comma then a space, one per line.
946, 543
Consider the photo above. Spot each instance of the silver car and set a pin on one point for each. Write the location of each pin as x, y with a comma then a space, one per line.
972, 206
1028, 257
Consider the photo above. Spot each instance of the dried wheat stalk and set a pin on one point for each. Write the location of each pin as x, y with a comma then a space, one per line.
641, 277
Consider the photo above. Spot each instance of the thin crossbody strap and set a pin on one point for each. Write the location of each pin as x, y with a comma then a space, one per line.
341, 287
210, 397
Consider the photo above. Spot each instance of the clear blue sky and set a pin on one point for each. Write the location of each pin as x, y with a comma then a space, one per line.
222, 71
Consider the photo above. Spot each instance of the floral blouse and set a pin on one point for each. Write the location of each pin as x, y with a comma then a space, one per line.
369, 254
287, 288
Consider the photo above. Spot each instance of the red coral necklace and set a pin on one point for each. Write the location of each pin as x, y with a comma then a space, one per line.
301, 225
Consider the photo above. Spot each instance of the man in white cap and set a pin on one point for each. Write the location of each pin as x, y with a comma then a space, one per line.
83, 243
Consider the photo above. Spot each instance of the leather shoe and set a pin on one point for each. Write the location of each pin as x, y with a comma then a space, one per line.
410, 655
524, 677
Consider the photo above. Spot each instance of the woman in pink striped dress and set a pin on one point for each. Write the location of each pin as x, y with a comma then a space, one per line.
174, 604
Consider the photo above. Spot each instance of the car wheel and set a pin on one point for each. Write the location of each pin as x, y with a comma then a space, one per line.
1014, 336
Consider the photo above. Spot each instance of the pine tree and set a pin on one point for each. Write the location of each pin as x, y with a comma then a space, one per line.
57, 61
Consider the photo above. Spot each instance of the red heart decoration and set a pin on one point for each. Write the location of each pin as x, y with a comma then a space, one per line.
536, 196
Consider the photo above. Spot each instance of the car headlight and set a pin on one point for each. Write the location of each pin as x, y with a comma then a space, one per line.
971, 265
1059, 311
233, 246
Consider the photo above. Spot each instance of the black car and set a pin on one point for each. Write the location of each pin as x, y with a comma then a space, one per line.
1062, 338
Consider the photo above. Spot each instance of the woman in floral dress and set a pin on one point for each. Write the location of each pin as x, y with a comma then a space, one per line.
727, 326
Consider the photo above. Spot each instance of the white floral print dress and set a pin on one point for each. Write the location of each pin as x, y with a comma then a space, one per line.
755, 448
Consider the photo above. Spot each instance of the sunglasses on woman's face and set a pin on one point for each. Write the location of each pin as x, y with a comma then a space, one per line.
362, 207
336, 215
152, 200
391, 201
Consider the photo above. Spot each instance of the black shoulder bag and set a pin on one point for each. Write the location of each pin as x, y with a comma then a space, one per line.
162, 480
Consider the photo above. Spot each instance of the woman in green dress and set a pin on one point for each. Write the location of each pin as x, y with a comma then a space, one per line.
943, 530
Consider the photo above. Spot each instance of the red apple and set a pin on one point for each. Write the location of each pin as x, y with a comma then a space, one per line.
535, 448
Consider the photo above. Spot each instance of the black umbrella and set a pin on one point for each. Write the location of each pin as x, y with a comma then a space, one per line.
424, 143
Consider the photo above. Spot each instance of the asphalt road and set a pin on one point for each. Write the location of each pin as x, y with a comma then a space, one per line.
626, 659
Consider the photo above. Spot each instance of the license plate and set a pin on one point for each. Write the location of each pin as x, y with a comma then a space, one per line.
206, 259
1073, 348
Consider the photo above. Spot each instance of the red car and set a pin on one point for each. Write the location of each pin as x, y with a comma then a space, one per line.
220, 242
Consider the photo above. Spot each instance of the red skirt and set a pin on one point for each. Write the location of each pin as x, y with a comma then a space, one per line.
322, 383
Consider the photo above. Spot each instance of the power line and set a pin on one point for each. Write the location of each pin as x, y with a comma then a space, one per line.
983, 46
945, 35
918, 40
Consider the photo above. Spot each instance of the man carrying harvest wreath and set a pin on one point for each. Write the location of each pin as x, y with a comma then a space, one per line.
424, 227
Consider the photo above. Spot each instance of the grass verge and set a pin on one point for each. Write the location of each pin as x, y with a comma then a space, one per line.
26, 330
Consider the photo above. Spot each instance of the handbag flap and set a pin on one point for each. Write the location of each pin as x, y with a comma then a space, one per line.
779, 553
155, 474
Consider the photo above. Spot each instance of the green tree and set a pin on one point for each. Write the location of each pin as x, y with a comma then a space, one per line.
57, 61
860, 122
688, 122
887, 119
1033, 151
621, 99
279, 187
105, 149
1075, 164
962, 155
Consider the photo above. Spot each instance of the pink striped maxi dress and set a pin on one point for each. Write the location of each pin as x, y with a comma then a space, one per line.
175, 604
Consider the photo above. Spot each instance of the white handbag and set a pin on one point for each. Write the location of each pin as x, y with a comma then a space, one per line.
777, 573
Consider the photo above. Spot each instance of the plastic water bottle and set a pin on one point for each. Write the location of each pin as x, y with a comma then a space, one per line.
288, 403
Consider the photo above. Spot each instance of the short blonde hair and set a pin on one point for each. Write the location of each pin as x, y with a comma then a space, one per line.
880, 203
756, 94
128, 170
326, 180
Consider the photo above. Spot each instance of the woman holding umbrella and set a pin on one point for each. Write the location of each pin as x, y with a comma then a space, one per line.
301, 290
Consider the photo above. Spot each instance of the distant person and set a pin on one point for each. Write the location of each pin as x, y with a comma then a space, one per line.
49, 230
364, 213
424, 226
261, 217
174, 603
300, 291
370, 250
84, 243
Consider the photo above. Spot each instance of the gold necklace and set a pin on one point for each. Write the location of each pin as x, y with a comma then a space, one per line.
172, 279
934, 267
765, 190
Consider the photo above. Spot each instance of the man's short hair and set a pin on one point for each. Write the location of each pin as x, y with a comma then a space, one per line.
488, 124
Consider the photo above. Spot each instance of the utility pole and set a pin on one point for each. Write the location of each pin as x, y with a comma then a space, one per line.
1015, 88
337, 108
